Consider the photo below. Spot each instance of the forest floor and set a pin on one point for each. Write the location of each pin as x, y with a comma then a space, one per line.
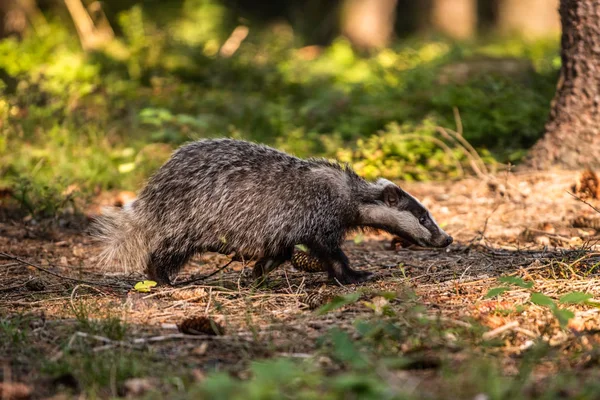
59, 328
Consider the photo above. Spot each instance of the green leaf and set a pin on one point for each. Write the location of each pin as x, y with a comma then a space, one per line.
575, 298
345, 349
339, 301
562, 315
388, 295
301, 247
496, 292
127, 167
144, 286
359, 238
358, 384
513, 280
542, 300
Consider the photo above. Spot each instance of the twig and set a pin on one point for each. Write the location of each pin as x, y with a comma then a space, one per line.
445, 319
32, 303
72, 297
40, 268
458, 120
170, 291
481, 234
163, 338
526, 332
208, 302
552, 235
472, 160
109, 343
296, 355
202, 278
20, 285
583, 201
10, 265
500, 330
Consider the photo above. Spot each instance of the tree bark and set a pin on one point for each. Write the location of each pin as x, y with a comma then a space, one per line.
528, 18
454, 18
369, 24
572, 132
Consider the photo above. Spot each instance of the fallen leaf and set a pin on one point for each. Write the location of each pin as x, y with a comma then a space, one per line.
138, 386
144, 286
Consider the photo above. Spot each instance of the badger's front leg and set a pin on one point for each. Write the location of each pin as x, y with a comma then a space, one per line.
338, 267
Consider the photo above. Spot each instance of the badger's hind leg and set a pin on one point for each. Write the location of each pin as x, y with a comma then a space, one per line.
166, 261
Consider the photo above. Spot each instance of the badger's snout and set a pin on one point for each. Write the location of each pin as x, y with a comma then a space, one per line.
440, 240
444, 240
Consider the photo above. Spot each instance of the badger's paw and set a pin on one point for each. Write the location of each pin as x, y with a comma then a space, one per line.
353, 276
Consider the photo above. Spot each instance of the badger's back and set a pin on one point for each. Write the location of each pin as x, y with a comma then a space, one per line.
231, 195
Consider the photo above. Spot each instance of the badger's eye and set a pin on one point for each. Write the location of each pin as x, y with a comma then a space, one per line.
422, 220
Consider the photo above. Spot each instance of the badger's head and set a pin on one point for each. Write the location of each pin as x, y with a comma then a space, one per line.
397, 212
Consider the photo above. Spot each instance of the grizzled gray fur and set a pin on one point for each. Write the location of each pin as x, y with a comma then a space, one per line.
228, 196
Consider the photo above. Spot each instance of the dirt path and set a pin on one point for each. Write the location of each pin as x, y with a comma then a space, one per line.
526, 226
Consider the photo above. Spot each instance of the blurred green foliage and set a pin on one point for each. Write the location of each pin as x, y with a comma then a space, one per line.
107, 119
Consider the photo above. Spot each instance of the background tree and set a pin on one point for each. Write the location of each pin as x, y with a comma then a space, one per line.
528, 18
454, 18
572, 133
369, 24
17, 15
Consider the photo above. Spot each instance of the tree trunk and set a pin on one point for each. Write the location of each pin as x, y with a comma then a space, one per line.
454, 18
572, 138
17, 15
528, 18
369, 24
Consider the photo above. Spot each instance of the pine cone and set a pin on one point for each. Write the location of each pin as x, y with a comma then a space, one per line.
303, 261
35, 285
315, 300
200, 326
588, 185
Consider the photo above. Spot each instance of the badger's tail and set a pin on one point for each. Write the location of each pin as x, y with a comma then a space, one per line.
125, 242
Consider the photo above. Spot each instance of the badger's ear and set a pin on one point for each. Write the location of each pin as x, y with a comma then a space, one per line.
392, 195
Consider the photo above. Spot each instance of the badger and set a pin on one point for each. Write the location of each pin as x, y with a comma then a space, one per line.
234, 196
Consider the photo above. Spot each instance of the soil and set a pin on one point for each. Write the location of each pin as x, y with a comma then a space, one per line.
526, 225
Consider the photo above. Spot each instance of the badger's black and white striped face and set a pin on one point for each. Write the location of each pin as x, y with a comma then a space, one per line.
399, 213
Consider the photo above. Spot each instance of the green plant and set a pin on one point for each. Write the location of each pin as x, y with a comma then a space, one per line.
563, 315
107, 119
43, 200
338, 302
410, 153
13, 331
99, 321
99, 374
